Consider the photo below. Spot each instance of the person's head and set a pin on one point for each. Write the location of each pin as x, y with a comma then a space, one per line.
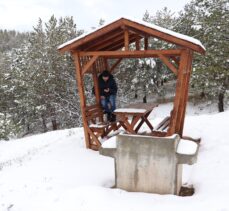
105, 75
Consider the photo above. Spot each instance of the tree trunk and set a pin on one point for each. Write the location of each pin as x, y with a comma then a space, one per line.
54, 124
144, 99
221, 101
135, 95
44, 124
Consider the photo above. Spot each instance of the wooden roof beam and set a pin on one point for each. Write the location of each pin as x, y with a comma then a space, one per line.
102, 41
132, 54
113, 41
119, 44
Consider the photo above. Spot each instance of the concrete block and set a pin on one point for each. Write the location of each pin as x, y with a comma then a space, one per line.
148, 164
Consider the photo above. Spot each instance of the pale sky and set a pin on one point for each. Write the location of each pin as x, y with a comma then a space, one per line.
22, 15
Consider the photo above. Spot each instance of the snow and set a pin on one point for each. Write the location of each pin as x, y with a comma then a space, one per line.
130, 110
54, 172
97, 125
110, 143
187, 147
150, 25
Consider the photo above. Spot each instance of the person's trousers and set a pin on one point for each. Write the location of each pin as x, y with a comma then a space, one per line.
109, 104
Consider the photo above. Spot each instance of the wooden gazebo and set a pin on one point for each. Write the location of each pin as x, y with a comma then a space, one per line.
92, 52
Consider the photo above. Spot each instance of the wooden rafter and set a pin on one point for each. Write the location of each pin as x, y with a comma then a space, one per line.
117, 39
168, 63
117, 46
102, 40
126, 39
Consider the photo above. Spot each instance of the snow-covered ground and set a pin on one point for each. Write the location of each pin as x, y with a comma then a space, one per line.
54, 172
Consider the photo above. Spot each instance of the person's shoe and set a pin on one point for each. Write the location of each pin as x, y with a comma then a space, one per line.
109, 116
113, 117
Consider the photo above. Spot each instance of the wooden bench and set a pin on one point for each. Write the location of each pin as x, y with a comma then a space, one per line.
95, 119
96, 123
163, 125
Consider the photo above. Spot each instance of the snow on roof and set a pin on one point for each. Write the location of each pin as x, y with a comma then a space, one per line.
139, 21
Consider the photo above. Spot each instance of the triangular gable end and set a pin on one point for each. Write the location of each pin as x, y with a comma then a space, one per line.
110, 37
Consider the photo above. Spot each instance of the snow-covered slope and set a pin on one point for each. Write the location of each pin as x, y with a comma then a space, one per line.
54, 172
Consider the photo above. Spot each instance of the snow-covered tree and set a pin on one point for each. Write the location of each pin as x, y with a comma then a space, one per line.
208, 20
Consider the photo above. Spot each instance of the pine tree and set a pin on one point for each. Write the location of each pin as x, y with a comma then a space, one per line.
208, 21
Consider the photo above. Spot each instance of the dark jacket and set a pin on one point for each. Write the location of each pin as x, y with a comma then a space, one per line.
111, 84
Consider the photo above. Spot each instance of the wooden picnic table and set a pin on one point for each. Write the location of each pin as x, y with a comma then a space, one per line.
138, 112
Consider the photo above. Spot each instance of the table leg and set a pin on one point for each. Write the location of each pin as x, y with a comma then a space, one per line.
144, 119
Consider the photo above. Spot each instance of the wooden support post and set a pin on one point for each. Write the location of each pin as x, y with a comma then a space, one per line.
106, 64
187, 79
96, 85
79, 79
146, 43
126, 39
179, 97
137, 43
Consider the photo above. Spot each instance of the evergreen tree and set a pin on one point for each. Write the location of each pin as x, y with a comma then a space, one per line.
208, 21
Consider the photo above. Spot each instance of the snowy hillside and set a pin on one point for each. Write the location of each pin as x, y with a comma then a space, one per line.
54, 172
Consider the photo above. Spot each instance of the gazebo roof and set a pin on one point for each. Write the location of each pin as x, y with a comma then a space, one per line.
110, 37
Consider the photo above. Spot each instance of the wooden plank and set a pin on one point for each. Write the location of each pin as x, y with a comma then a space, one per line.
96, 85
126, 39
106, 64
91, 107
89, 64
80, 84
137, 43
168, 63
146, 43
132, 54
118, 45
103, 40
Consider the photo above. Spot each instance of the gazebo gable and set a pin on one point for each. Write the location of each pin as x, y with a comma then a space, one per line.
112, 37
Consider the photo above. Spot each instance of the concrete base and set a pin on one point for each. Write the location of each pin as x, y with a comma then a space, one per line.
148, 164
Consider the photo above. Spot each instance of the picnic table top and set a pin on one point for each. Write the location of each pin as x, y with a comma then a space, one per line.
136, 108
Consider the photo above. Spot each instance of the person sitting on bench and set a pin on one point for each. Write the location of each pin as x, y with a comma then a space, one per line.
108, 90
